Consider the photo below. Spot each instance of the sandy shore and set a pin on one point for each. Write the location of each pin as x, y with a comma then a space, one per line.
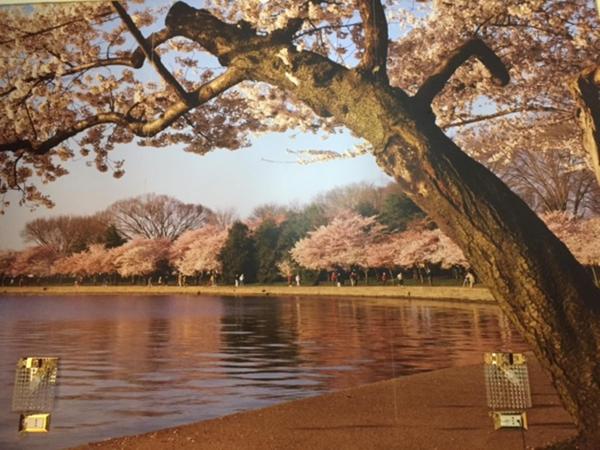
445, 409
477, 294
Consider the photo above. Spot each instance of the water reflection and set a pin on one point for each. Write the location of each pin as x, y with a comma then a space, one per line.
134, 364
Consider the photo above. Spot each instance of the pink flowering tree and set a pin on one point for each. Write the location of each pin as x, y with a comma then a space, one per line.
99, 260
197, 251
581, 236
382, 253
415, 246
93, 262
445, 252
70, 266
7, 259
344, 242
286, 268
142, 257
35, 262
419, 246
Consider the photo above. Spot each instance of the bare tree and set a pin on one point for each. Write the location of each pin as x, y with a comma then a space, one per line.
154, 216
351, 197
551, 181
224, 217
268, 211
67, 234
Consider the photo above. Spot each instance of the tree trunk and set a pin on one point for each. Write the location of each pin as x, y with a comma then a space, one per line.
537, 282
585, 89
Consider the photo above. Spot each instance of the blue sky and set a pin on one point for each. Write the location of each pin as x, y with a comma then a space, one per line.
222, 179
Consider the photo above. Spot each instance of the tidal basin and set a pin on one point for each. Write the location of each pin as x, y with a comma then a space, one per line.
132, 364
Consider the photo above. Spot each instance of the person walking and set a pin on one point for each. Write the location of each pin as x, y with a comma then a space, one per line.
400, 278
297, 279
469, 279
353, 278
428, 275
242, 279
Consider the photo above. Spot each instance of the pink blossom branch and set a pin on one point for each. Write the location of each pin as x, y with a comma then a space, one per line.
134, 60
474, 47
140, 128
30, 34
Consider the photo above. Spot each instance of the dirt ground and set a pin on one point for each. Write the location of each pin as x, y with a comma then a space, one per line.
455, 293
445, 409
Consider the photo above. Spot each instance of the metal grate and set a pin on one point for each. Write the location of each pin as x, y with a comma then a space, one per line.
507, 381
35, 384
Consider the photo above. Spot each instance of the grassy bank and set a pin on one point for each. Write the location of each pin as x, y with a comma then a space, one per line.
477, 294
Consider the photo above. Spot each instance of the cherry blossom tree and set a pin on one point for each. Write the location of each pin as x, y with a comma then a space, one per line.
35, 261
344, 242
71, 85
197, 251
286, 269
7, 259
580, 235
96, 260
383, 253
69, 265
142, 257
446, 253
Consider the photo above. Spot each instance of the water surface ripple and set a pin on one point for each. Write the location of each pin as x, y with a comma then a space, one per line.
132, 364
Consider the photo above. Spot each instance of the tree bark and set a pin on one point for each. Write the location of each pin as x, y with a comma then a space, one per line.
586, 92
535, 279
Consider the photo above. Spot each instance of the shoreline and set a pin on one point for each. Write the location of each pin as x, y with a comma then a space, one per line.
447, 293
444, 409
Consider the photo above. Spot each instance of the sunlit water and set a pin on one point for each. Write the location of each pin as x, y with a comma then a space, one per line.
134, 364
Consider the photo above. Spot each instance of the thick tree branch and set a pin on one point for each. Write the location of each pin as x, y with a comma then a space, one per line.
474, 47
223, 40
140, 128
586, 91
149, 52
375, 32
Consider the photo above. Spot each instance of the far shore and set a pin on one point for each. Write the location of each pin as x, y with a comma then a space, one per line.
451, 293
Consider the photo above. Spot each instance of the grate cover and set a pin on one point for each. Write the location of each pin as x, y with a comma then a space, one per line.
507, 381
35, 384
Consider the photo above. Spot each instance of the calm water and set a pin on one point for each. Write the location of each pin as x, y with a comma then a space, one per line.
135, 364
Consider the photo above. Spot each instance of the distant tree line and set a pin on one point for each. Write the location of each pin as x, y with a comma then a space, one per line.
357, 229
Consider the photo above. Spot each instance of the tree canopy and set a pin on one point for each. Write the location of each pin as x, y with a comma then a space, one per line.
80, 79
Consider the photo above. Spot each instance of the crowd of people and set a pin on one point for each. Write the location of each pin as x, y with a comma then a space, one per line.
421, 274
